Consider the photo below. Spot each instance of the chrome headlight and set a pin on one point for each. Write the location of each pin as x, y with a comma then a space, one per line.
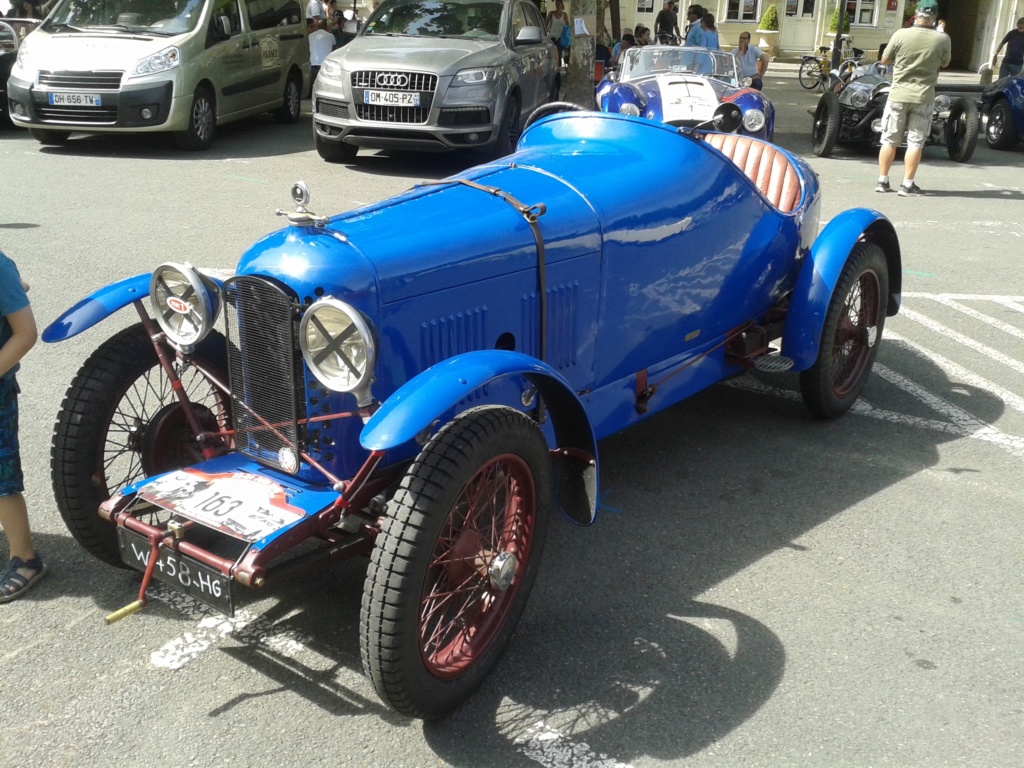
629, 109
166, 59
480, 76
330, 69
337, 345
753, 120
941, 103
860, 98
185, 303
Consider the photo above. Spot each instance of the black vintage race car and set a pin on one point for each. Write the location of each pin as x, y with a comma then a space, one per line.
850, 112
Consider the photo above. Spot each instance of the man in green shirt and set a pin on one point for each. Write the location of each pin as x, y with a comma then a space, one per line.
917, 53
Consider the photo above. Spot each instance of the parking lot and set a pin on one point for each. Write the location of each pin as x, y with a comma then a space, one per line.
760, 589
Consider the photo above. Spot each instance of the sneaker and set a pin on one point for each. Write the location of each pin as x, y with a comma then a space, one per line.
883, 186
912, 191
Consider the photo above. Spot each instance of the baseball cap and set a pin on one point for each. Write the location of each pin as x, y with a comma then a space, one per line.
928, 8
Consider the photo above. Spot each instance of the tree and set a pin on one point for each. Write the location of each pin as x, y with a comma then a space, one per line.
833, 23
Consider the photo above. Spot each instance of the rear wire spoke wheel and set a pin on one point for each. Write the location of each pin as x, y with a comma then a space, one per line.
810, 74
851, 335
120, 422
455, 561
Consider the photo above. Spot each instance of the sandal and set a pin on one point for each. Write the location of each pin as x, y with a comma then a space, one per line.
13, 584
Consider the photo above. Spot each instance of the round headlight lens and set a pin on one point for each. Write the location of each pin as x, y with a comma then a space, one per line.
185, 303
859, 98
753, 120
338, 347
942, 103
630, 109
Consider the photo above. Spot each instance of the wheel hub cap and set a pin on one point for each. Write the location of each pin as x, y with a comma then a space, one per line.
502, 571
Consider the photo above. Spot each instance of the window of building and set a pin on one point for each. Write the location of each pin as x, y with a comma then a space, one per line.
743, 10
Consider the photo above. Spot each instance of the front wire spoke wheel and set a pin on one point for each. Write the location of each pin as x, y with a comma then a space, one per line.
456, 560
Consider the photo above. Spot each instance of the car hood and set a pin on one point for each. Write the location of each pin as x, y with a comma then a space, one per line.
442, 56
85, 50
684, 97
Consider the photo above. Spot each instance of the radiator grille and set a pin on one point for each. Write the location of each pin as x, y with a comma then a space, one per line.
91, 115
81, 81
465, 116
382, 113
390, 80
265, 368
394, 81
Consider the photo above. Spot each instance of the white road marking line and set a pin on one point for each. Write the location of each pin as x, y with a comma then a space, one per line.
1014, 303
213, 627
553, 750
962, 296
992, 354
987, 319
960, 373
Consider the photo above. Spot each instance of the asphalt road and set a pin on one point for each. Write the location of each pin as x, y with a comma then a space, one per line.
760, 589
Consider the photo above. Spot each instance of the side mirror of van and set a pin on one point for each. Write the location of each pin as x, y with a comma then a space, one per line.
223, 27
350, 27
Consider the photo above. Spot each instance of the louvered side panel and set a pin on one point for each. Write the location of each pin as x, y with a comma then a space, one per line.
563, 325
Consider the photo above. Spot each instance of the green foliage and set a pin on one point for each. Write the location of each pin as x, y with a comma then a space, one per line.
833, 23
769, 19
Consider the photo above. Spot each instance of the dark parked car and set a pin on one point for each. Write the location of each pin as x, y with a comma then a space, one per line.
1003, 104
12, 32
427, 388
850, 112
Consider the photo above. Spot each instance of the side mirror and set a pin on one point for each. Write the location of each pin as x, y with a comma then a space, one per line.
529, 36
223, 27
727, 118
350, 27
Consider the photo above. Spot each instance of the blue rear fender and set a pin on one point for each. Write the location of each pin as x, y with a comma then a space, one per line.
96, 307
820, 273
415, 406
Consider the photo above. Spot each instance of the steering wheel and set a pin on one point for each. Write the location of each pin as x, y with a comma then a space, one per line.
881, 69
552, 108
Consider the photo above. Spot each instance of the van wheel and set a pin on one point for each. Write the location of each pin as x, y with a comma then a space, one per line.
202, 122
49, 138
334, 151
291, 108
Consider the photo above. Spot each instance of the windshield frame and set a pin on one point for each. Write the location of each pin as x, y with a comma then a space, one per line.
112, 18
643, 62
388, 19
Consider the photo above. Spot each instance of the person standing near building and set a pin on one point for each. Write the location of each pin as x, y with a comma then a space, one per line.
916, 53
1013, 61
558, 20
666, 25
321, 43
709, 32
753, 62
694, 34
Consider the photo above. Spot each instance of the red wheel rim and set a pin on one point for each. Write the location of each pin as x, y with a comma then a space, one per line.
461, 611
855, 333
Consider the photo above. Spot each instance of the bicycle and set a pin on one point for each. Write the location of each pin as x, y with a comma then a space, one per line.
814, 69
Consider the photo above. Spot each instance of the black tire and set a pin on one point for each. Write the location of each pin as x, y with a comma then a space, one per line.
508, 132
810, 74
825, 129
291, 105
334, 151
49, 138
962, 130
202, 122
431, 575
119, 422
851, 335
556, 91
552, 108
1001, 132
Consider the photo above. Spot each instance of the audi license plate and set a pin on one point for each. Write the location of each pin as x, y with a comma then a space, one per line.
392, 98
76, 100
178, 571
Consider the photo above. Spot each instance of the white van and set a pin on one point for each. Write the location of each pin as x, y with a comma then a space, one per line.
184, 66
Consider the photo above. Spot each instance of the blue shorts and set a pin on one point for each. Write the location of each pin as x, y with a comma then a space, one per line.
11, 479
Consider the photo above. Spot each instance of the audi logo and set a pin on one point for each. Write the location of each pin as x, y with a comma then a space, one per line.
392, 80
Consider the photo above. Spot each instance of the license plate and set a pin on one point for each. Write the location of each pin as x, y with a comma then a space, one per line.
75, 99
239, 504
392, 98
178, 571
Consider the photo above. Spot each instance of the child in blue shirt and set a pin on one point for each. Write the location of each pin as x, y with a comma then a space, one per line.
17, 335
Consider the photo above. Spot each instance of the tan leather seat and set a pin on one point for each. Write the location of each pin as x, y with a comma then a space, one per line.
764, 165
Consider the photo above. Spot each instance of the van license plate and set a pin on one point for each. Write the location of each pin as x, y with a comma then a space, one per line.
392, 98
75, 99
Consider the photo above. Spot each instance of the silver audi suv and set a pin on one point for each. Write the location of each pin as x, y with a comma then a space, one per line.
435, 75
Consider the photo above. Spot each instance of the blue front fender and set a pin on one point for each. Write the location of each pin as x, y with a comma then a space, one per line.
426, 397
820, 273
98, 306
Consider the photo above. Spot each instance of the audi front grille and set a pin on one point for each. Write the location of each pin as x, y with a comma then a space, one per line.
394, 81
264, 367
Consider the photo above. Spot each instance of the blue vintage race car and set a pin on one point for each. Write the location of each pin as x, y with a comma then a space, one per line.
424, 381
683, 87
1003, 103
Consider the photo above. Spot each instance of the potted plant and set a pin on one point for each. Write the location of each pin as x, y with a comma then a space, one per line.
833, 22
768, 29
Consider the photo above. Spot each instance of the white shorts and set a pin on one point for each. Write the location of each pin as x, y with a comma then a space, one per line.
915, 119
